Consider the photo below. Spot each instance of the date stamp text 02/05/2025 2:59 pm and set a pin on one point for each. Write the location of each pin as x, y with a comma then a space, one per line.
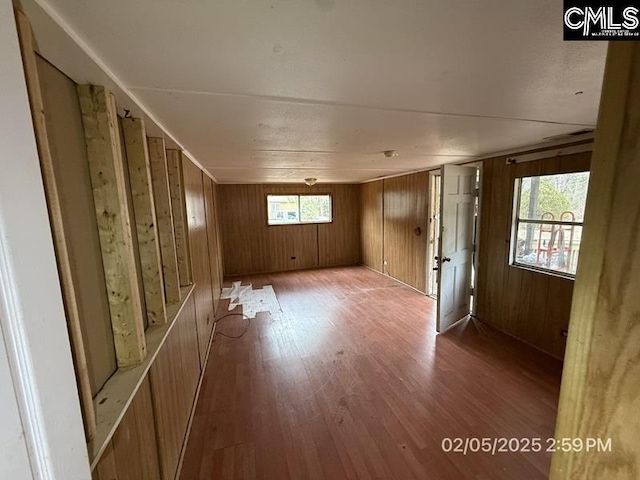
498, 445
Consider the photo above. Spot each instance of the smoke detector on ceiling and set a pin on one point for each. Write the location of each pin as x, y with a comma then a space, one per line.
310, 181
390, 153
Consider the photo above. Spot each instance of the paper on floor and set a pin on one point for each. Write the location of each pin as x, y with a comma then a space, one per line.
253, 301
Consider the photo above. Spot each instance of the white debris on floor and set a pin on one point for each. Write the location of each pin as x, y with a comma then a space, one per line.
253, 301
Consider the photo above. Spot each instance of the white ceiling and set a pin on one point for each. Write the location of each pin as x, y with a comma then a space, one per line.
281, 90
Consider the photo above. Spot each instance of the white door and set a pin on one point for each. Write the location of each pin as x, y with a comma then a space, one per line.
455, 255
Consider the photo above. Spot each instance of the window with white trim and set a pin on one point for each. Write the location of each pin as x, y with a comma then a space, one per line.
548, 218
297, 209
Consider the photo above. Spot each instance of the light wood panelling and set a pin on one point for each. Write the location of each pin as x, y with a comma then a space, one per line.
135, 142
174, 378
201, 269
164, 215
530, 305
600, 395
40, 104
110, 201
371, 224
132, 453
178, 208
405, 211
212, 237
250, 245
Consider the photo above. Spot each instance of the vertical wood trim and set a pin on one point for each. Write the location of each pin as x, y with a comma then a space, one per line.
29, 48
218, 216
599, 393
110, 199
178, 207
135, 139
162, 196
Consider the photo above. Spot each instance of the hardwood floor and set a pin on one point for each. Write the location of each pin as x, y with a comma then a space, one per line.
351, 381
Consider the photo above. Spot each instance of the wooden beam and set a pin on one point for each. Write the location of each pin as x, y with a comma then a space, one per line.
110, 199
135, 140
179, 209
600, 394
29, 48
162, 196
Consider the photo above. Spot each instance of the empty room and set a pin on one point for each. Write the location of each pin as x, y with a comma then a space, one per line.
319, 239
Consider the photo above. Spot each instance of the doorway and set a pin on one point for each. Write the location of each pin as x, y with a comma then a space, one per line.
455, 263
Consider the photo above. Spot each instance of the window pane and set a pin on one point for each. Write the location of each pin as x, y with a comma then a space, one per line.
552, 247
315, 208
282, 209
554, 197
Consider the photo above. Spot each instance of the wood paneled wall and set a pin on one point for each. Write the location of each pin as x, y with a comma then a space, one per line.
213, 229
102, 199
201, 265
406, 221
371, 224
131, 454
174, 380
251, 246
530, 305
394, 220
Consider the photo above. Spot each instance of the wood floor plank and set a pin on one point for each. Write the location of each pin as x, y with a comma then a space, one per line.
350, 381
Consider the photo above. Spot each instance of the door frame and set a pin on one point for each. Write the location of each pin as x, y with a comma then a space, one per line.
431, 250
476, 235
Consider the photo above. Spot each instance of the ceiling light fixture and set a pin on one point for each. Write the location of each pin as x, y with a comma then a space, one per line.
390, 153
310, 181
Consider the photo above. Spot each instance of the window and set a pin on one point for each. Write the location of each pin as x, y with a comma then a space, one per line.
548, 217
289, 209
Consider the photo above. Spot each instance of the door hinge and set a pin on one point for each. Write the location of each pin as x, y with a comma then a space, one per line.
476, 192
473, 291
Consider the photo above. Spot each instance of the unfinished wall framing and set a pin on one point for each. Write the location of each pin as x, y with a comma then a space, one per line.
113, 196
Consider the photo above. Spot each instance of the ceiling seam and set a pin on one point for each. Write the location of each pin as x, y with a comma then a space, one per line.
330, 103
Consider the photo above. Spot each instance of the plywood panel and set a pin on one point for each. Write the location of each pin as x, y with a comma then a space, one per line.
406, 228
530, 305
212, 238
132, 452
164, 215
371, 222
178, 208
599, 398
174, 378
250, 245
199, 247
112, 212
78, 216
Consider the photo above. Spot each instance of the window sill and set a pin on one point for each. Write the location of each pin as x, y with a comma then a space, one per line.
298, 223
542, 271
112, 401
